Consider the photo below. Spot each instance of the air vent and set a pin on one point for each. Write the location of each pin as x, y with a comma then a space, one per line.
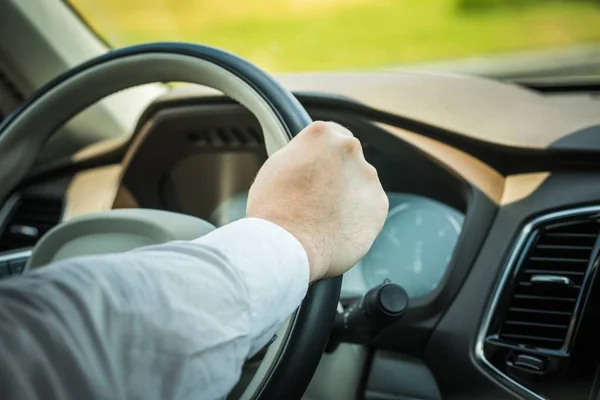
29, 219
548, 285
226, 136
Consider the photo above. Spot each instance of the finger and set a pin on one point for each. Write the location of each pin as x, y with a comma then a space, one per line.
370, 171
351, 143
352, 149
340, 129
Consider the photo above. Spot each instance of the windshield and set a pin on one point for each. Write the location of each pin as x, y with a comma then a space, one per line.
501, 38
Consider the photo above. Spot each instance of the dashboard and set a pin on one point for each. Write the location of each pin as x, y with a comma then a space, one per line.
493, 227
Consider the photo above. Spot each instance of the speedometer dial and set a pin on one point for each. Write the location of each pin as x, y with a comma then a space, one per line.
415, 244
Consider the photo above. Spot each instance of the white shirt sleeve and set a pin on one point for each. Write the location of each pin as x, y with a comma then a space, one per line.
171, 321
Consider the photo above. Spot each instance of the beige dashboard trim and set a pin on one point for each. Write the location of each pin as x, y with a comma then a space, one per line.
519, 187
93, 190
473, 170
99, 148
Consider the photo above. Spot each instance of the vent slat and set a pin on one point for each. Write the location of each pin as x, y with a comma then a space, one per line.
239, 135
536, 324
29, 221
540, 312
215, 138
540, 338
550, 298
571, 235
563, 247
554, 272
534, 311
559, 260
226, 136
529, 285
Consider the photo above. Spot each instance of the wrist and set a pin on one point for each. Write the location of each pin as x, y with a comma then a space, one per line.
318, 260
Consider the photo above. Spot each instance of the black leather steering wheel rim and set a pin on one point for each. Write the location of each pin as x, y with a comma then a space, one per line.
293, 369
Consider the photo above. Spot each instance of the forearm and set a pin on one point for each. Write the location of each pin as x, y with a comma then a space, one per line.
171, 321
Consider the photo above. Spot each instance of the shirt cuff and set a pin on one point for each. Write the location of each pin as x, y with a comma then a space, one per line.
274, 267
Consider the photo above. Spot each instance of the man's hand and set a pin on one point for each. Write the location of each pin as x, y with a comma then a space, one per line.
321, 189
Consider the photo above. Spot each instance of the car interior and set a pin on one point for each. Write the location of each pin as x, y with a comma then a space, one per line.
491, 241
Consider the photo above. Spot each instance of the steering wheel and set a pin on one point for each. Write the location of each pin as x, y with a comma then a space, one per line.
292, 359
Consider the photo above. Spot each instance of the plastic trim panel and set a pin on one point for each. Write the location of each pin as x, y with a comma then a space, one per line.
488, 367
15, 255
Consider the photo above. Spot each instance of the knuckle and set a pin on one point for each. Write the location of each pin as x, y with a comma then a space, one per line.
317, 128
351, 145
341, 129
371, 171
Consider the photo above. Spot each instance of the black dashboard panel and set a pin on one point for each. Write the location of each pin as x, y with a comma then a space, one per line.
177, 134
452, 345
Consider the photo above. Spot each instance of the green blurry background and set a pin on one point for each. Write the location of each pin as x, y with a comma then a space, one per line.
304, 35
